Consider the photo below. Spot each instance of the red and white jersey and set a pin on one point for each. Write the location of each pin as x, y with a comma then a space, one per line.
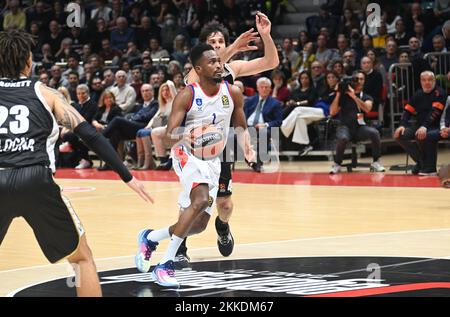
204, 109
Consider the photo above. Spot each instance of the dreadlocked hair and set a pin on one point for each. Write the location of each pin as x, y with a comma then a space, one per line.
15, 48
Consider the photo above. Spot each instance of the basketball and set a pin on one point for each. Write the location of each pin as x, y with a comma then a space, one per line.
207, 142
444, 176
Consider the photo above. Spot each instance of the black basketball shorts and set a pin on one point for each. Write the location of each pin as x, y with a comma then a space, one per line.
225, 182
30, 192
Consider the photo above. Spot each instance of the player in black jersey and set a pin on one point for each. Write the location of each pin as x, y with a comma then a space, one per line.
29, 117
217, 36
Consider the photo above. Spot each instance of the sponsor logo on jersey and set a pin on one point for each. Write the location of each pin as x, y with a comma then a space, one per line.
199, 103
225, 101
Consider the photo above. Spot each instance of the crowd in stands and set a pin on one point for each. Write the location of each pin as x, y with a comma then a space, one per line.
125, 63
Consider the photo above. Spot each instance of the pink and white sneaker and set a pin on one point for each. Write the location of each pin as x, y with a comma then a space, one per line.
144, 252
164, 275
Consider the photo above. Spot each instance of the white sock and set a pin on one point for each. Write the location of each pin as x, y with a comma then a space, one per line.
158, 235
172, 249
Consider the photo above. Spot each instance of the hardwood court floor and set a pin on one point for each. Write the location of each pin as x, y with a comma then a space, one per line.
301, 211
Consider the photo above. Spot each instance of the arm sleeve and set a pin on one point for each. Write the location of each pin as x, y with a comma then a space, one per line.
100, 145
407, 112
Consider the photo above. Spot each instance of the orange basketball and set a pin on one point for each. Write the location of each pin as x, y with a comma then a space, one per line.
207, 142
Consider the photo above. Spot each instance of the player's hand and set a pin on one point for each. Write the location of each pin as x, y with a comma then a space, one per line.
399, 132
139, 188
421, 133
242, 43
445, 133
263, 24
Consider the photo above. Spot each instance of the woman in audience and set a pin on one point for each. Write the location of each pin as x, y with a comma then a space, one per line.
280, 90
158, 123
377, 65
338, 68
300, 112
107, 110
305, 95
305, 59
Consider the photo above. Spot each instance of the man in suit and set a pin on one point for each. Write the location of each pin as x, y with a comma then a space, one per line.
263, 112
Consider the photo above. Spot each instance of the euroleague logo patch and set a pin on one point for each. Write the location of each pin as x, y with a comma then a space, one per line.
278, 277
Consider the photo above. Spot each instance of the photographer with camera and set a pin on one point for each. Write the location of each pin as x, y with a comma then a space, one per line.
350, 105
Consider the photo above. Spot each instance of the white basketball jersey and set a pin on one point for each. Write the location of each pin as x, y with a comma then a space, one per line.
216, 110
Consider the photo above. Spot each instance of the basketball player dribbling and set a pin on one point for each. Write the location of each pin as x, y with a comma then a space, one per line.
29, 112
217, 36
212, 101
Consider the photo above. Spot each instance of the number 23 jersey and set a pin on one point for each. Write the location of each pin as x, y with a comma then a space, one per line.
28, 129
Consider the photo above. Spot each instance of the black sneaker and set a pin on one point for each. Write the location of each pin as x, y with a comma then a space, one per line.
225, 242
165, 166
416, 169
181, 261
304, 151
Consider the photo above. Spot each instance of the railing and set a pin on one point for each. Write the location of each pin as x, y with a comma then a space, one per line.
401, 89
440, 64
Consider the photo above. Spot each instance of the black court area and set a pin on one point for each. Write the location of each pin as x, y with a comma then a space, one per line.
276, 277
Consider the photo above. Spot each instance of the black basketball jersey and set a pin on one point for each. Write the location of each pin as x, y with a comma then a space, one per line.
228, 74
28, 129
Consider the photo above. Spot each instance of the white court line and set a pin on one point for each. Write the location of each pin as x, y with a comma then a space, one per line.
119, 194
260, 243
398, 264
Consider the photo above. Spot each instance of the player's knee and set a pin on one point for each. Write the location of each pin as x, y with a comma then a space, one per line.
83, 253
225, 205
200, 204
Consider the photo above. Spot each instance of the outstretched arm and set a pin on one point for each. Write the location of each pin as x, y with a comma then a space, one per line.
270, 59
241, 44
69, 117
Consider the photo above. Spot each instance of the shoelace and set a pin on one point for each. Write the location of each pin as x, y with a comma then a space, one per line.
170, 270
224, 239
148, 252
181, 258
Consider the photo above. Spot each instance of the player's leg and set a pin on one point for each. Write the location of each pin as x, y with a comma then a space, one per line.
86, 277
56, 226
164, 271
225, 241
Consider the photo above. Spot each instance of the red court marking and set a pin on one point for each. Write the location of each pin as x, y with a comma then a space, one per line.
282, 178
385, 290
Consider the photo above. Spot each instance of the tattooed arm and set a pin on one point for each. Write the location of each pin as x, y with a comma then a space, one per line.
65, 114
69, 117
